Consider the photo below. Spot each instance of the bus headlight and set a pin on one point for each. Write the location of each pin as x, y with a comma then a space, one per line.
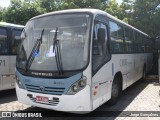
82, 83
76, 87
19, 83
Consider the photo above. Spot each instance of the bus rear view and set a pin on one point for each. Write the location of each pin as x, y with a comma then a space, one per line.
51, 62
9, 42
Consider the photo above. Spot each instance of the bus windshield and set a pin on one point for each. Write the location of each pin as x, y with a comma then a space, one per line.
72, 34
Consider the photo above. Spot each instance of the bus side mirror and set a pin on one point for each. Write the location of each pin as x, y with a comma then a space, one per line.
101, 35
157, 43
23, 34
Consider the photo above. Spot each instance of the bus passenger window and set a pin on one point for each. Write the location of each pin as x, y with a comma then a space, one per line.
3, 41
117, 37
138, 42
128, 40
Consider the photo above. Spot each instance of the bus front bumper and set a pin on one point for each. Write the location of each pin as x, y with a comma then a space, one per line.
68, 103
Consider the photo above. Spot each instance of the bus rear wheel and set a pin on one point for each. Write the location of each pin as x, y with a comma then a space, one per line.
143, 79
115, 93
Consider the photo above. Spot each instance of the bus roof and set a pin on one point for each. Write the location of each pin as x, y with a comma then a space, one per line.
68, 11
10, 25
93, 11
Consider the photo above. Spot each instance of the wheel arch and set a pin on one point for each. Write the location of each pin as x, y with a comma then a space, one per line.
118, 81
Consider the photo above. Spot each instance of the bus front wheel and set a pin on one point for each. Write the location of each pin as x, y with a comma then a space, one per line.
115, 93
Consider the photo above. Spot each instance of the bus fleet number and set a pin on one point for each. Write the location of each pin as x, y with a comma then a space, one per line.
2, 63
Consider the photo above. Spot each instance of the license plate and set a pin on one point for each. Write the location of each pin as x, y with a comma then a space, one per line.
42, 99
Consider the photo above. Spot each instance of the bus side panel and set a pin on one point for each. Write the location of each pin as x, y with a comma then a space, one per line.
120, 64
129, 65
12, 64
101, 85
8, 82
135, 63
131, 69
4, 71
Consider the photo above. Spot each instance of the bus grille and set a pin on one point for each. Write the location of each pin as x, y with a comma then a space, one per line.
45, 90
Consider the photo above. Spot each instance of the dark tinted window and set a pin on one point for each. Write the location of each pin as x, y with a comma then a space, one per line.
16, 40
116, 33
3, 41
129, 39
138, 42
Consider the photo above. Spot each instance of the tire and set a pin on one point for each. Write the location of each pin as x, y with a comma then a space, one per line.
115, 92
144, 75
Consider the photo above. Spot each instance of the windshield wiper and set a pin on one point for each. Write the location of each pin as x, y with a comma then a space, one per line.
34, 51
56, 48
54, 39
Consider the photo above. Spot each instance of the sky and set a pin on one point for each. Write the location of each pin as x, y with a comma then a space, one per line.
5, 3
119, 1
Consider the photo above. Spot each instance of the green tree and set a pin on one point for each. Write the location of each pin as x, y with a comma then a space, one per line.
122, 11
126, 10
19, 12
113, 8
49, 5
1, 13
146, 16
68, 4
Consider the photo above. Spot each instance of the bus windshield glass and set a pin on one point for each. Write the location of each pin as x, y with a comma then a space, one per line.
70, 31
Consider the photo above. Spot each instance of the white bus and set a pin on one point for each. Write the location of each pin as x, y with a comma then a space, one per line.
76, 60
9, 39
